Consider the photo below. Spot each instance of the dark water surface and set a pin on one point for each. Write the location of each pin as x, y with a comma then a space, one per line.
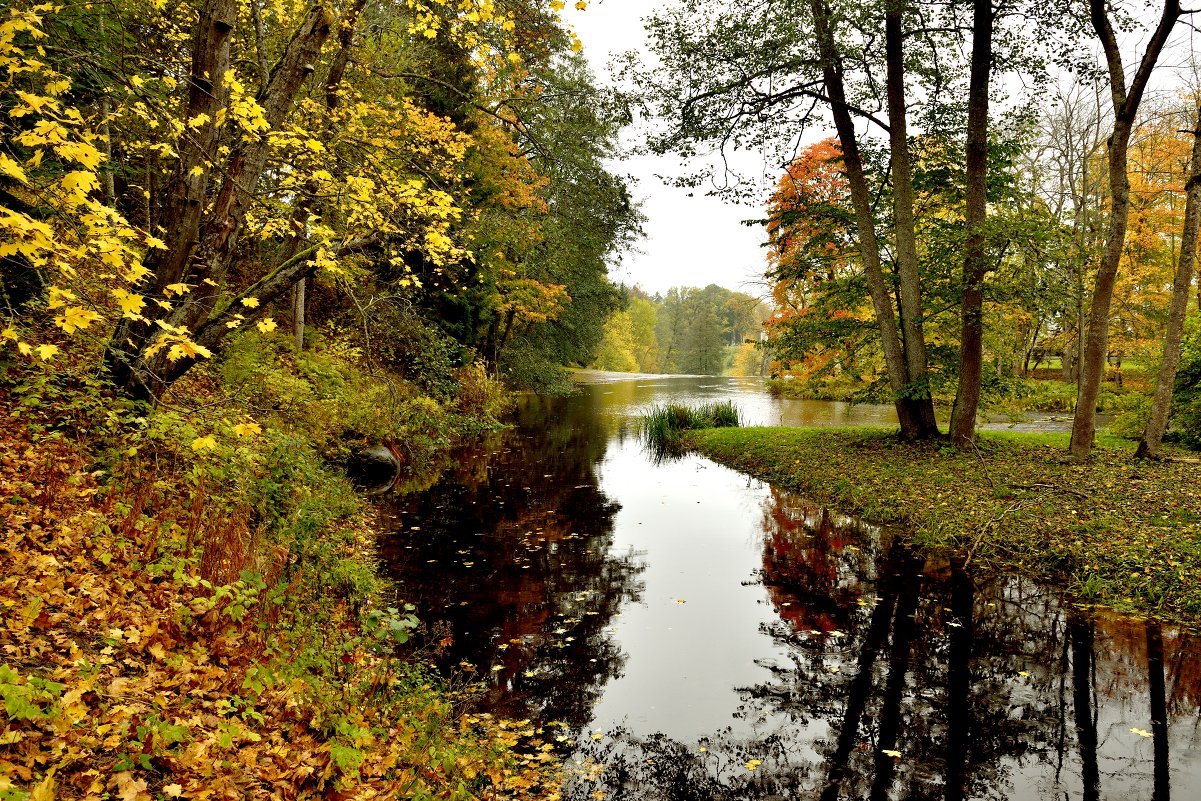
705, 636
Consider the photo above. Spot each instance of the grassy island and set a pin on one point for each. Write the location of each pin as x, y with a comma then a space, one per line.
1112, 531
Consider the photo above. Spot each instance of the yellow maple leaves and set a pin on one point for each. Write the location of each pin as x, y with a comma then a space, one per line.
250, 429
75, 319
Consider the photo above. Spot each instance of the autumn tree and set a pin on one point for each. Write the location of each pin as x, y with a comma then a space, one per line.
1125, 99
1149, 443
732, 75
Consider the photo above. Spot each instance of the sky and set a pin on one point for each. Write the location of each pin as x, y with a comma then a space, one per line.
696, 240
690, 241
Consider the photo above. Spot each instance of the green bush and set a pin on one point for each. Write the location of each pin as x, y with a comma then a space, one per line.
524, 367
1186, 395
400, 340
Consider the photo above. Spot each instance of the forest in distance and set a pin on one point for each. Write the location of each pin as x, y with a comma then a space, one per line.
253, 250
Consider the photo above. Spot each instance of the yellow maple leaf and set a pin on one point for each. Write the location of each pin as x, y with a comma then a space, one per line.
24, 348
12, 169
177, 289
131, 304
250, 303
59, 297
75, 318
188, 349
46, 352
267, 325
203, 443
247, 429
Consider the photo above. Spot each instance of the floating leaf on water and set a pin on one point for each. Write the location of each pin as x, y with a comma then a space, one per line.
1141, 732
752, 764
890, 752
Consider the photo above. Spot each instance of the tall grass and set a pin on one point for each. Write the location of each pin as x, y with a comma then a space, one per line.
662, 428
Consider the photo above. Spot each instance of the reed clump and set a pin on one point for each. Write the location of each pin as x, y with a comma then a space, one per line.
662, 428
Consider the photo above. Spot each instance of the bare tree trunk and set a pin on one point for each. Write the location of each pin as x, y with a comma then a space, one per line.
918, 389
1125, 107
975, 262
298, 314
911, 421
1161, 403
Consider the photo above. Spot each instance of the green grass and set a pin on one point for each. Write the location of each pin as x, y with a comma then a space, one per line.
1113, 531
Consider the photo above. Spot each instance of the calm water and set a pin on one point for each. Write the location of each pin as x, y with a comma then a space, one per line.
709, 637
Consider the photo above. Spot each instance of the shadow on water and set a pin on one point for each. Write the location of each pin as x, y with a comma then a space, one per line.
710, 637
509, 557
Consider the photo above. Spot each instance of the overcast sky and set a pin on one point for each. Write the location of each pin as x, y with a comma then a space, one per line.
699, 240
690, 241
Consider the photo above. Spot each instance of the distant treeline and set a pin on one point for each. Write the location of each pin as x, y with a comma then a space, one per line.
710, 331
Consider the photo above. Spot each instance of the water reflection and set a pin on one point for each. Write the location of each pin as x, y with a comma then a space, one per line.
722, 639
509, 557
900, 677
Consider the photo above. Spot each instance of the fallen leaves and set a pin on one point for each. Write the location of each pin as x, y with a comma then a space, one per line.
121, 675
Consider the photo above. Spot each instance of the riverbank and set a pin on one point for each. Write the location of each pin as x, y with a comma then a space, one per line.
1115, 532
192, 605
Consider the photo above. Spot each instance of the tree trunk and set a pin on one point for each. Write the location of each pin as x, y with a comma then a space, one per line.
1161, 403
975, 262
204, 251
184, 207
1125, 107
911, 420
918, 389
298, 314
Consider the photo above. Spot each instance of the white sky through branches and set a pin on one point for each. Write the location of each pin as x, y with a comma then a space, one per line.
695, 240
690, 241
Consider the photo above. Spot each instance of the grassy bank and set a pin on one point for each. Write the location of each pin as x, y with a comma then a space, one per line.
1113, 531
191, 602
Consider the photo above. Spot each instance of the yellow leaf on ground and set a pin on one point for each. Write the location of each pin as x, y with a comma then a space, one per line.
46, 352
203, 443
267, 325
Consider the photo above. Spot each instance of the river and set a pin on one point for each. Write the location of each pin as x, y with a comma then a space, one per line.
702, 635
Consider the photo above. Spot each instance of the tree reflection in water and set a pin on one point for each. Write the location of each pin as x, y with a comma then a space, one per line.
508, 557
901, 677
